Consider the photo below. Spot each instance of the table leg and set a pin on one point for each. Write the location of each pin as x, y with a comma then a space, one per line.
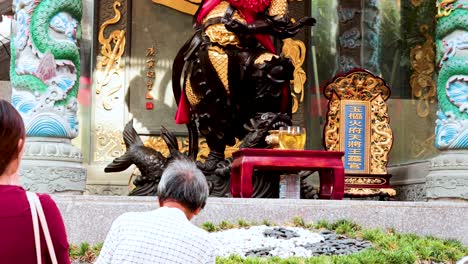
236, 179
246, 172
338, 184
326, 183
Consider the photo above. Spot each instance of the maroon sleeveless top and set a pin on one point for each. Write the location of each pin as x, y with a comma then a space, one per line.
16, 228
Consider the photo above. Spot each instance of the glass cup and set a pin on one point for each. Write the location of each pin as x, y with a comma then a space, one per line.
292, 137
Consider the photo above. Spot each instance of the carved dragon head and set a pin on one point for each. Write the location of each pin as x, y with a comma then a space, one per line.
259, 126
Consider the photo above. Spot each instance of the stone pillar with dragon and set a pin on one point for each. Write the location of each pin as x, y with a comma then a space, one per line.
448, 173
45, 71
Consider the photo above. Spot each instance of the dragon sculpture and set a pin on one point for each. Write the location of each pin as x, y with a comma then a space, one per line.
45, 66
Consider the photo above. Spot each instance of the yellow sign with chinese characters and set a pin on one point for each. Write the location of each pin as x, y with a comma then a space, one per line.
358, 123
355, 135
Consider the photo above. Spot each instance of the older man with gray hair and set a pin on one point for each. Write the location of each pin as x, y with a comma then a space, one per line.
166, 234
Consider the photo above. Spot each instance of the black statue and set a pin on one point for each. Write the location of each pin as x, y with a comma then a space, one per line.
234, 86
231, 73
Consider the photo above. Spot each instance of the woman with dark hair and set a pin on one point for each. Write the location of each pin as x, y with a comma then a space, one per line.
18, 229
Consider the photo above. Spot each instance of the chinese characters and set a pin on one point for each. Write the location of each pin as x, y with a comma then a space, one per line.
150, 73
355, 135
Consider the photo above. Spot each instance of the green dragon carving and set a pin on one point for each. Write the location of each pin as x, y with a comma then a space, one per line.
43, 42
45, 66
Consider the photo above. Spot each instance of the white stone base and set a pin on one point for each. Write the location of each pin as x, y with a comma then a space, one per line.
448, 176
52, 165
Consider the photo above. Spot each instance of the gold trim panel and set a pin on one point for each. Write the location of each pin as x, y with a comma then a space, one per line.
109, 74
370, 192
109, 143
358, 85
381, 136
365, 181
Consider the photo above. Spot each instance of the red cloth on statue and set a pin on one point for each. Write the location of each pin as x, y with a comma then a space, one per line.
183, 111
16, 228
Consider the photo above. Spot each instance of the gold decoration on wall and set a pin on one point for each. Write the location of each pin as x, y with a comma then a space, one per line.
332, 135
360, 86
370, 191
445, 8
109, 143
422, 60
422, 149
158, 144
184, 6
365, 181
108, 67
381, 136
296, 51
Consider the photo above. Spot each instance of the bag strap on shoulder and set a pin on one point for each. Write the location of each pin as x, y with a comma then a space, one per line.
37, 237
32, 197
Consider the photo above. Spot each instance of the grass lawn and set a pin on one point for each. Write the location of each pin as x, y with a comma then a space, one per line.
389, 246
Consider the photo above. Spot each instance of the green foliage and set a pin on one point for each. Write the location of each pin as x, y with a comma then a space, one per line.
210, 227
84, 252
298, 221
267, 223
273, 260
345, 227
388, 247
243, 223
225, 225
323, 224
80, 250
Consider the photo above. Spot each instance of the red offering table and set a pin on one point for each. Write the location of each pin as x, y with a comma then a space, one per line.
328, 163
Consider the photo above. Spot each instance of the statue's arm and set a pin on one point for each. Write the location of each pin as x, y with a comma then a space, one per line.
274, 21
